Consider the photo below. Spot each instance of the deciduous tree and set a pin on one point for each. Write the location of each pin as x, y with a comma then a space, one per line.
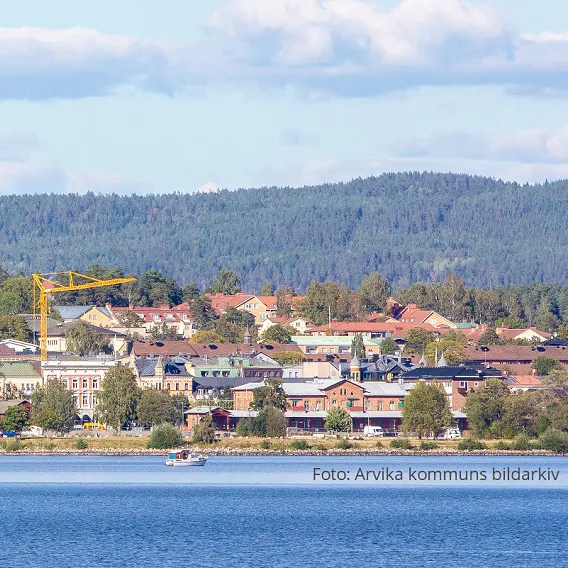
118, 398
426, 409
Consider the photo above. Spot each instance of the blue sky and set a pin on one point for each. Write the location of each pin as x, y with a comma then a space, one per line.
140, 96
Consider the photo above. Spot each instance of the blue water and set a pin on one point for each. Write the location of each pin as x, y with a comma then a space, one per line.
136, 512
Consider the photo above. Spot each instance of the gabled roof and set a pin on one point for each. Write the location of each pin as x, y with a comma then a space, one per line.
75, 312
19, 369
59, 329
5, 404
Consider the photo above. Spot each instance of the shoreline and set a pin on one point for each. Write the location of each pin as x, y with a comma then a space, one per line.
253, 452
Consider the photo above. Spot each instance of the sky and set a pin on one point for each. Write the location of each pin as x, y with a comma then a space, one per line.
138, 96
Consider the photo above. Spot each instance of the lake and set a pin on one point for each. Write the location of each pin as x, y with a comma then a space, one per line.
270, 511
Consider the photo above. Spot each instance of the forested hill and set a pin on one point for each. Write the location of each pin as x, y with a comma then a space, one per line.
408, 226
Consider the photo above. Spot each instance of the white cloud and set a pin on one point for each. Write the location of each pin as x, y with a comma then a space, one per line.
341, 47
529, 146
209, 187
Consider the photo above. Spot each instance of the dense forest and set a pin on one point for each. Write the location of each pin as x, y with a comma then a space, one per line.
410, 227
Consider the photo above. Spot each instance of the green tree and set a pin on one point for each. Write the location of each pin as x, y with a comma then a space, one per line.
452, 350
156, 407
154, 289
389, 346
267, 289
129, 319
53, 407
204, 431
205, 336
270, 393
15, 418
545, 365
358, 346
118, 397
284, 297
275, 422
338, 420
163, 333
489, 337
417, 339
320, 299
227, 282
426, 409
287, 357
277, 334
16, 296
375, 291
202, 312
190, 292
83, 339
14, 327
487, 406
486, 306
165, 436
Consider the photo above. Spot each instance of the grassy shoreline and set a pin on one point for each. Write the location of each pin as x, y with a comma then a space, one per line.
137, 446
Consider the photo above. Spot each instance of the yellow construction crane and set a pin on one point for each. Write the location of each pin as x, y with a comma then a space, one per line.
58, 282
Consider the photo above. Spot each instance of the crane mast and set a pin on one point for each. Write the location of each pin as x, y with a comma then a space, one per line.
60, 282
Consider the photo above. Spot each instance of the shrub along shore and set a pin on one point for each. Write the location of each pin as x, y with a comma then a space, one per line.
138, 446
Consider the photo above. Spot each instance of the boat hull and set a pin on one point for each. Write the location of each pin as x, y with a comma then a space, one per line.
187, 463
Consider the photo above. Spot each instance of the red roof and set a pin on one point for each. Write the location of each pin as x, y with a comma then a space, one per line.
397, 329
413, 314
220, 302
514, 353
157, 315
144, 348
527, 380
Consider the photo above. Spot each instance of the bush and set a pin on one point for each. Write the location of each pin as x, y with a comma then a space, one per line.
265, 444
400, 443
204, 432
165, 436
300, 445
427, 445
81, 444
344, 445
469, 444
500, 445
13, 445
522, 443
554, 440
321, 447
379, 444
245, 427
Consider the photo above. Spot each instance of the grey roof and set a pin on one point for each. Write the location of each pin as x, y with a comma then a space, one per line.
301, 389
58, 329
384, 389
5, 404
308, 414
220, 382
147, 368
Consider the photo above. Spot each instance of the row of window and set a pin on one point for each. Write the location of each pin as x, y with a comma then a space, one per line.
84, 400
85, 383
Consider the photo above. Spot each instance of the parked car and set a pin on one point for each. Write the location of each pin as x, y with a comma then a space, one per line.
10, 434
373, 432
450, 434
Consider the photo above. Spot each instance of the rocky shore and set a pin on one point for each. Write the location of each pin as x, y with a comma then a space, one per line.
228, 452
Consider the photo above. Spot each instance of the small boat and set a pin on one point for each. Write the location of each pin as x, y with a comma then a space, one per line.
185, 458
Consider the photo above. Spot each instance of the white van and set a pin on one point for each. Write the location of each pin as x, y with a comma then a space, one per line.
451, 434
373, 432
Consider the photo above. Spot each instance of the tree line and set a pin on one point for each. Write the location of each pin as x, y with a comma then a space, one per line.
411, 227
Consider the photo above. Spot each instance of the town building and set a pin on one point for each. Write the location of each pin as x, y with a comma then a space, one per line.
19, 379
331, 345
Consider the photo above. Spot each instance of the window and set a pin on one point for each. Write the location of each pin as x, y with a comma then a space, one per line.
186, 386
400, 403
95, 383
391, 405
317, 405
168, 386
85, 400
74, 384
295, 401
324, 350
332, 349
307, 405
95, 400
85, 383
379, 405
476, 384
177, 386
334, 403
463, 384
